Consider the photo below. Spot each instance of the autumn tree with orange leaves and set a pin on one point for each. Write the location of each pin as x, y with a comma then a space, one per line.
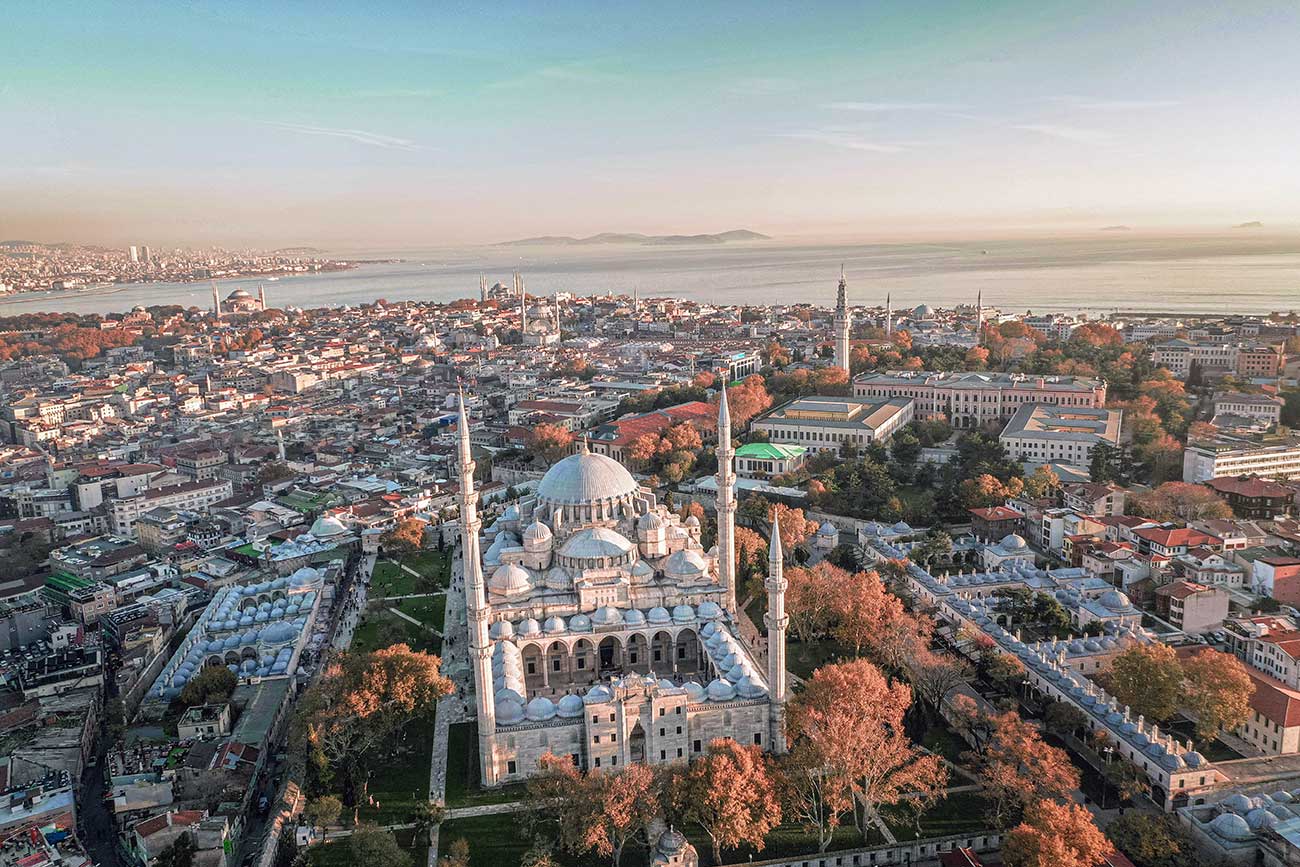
1018, 769
851, 718
599, 812
746, 399
1217, 690
1056, 835
814, 794
730, 792
862, 608
550, 442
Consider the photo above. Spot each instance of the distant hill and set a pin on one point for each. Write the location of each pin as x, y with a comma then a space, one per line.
298, 251
636, 238
1253, 224
1116, 228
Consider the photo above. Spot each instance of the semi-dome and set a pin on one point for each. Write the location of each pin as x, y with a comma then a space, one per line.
586, 478
595, 543
686, 563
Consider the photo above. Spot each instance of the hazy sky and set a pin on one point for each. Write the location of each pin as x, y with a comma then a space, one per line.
389, 124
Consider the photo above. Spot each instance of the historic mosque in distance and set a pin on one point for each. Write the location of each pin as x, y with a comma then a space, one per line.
601, 629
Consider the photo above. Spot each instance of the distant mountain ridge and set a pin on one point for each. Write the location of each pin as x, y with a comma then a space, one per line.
637, 238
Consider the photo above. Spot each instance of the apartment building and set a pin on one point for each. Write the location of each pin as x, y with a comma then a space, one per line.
187, 496
1236, 456
1266, 408
1193, 608
970, 399
1217, 357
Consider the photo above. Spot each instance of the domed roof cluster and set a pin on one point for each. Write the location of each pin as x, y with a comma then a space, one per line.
264, 634
608, 616
586, 478
1241, 817
739, 677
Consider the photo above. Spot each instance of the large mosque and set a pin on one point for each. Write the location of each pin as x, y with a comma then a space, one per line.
601, 629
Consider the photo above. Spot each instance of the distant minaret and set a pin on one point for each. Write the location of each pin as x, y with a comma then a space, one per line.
555, 299
216, 301
843, 322
636, 302
777, 621
482, 289
476, 607
261, 296
726, 501
889, 316
279, 441
523, 312
979, 311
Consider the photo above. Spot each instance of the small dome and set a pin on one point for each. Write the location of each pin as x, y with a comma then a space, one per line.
1238, 803
579, 623
597, 695
540, 708
1172, 762
510, 712
569, 706
709, 610
529, 626
683, 614
327, 526
606, 615
650, 522
506, 694
502, 629
1230, 826
694, 692
553, 626
659, 614
667, 684
827, 529
1115, 600
692, 521
634, 617
749, 687
720, 690
1012, 542
510, 580
537, 534
1283, 797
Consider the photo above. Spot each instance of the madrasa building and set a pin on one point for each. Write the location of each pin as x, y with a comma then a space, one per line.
600, 628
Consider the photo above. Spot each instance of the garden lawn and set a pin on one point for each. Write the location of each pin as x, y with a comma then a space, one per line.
381, 628
802, 657
389, 579
960, 813
463, 789
339, 853
401, 780
494, 841
431, 564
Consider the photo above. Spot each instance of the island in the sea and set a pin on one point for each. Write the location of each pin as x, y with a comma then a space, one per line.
636, 238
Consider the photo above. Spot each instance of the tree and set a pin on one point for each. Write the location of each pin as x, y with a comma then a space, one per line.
1017, 768
905, 448
376, 848
550, 442
625, 802
795, 528
1147, 678
851, 718
212, 685
900, 639
861, 608
324, 810
180, 853
730, 794
115, 718
1153, 841
934, 675
1217, 690
1005, 671
1042, 483
987, 490
813, 793
935, 545
1179, 501
406, 537
1063, 718
1055, 835
810, 598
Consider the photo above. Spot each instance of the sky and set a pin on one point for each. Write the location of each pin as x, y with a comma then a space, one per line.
422, 124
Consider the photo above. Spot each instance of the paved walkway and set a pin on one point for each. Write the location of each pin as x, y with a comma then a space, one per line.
409, 619
451, 708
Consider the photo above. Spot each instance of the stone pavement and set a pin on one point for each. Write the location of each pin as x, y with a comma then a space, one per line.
455, 707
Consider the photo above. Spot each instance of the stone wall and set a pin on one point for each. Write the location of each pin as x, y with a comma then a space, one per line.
912, 852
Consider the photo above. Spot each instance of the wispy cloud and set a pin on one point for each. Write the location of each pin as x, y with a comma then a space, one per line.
571, 73
1067, 133
360, 136
1085, 104
846, 140
761, 86
891, 106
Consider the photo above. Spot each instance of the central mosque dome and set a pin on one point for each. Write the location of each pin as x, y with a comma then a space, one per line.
586, 478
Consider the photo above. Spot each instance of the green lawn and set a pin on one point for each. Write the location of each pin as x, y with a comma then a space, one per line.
494, 841
463, 789
428, 610
339, 853
941, 740
380, 627
961, 813
436, 564
389, 579
803, 657
401, 780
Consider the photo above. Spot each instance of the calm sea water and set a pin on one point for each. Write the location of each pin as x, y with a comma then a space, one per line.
1238, 273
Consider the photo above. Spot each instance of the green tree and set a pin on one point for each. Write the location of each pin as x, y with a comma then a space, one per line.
1147, 678
375, 848
212, 685
179, 854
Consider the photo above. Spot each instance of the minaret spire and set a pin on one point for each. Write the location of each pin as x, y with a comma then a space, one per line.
843, 324
889, 316
726, 501
216, 301
476, 607
776, 620
979, 313
523, 308
482, 288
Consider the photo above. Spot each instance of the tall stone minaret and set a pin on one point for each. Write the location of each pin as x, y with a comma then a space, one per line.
843, 322
889, 315
216, 301
482, 289
979, 313
279, 442
476, 608
523, 305
777, 621
555, 299
261, 296
726, 502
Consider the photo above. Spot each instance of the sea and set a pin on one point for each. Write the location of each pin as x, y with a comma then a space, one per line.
1114, 273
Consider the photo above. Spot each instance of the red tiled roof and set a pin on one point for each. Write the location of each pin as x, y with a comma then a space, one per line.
1183, 536
1249, 487
996, 513
1274, 701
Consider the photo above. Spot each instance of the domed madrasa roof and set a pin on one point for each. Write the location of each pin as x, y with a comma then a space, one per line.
595, 542
1115, 600
1230, 826
326, 526
1012, 542
586, 478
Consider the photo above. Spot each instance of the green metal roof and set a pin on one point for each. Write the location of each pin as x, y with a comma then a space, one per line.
769, 451
66, 583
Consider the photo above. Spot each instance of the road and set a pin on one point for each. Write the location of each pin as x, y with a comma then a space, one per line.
96, 828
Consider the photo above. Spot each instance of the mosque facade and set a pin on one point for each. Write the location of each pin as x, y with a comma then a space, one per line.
601, 629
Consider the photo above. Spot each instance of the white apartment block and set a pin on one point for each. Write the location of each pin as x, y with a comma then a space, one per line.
194, 496
968, 400
1264, 407
1205, 461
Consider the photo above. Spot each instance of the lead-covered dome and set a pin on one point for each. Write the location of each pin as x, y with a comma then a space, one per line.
586, 478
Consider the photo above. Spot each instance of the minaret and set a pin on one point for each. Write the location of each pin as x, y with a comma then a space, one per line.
482, 289
261, 296
555, 299
523, 312
889, 316
279, 441
726, 502
216, 301
843, 322
979, 313
777, 621
636, 302
476, 608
